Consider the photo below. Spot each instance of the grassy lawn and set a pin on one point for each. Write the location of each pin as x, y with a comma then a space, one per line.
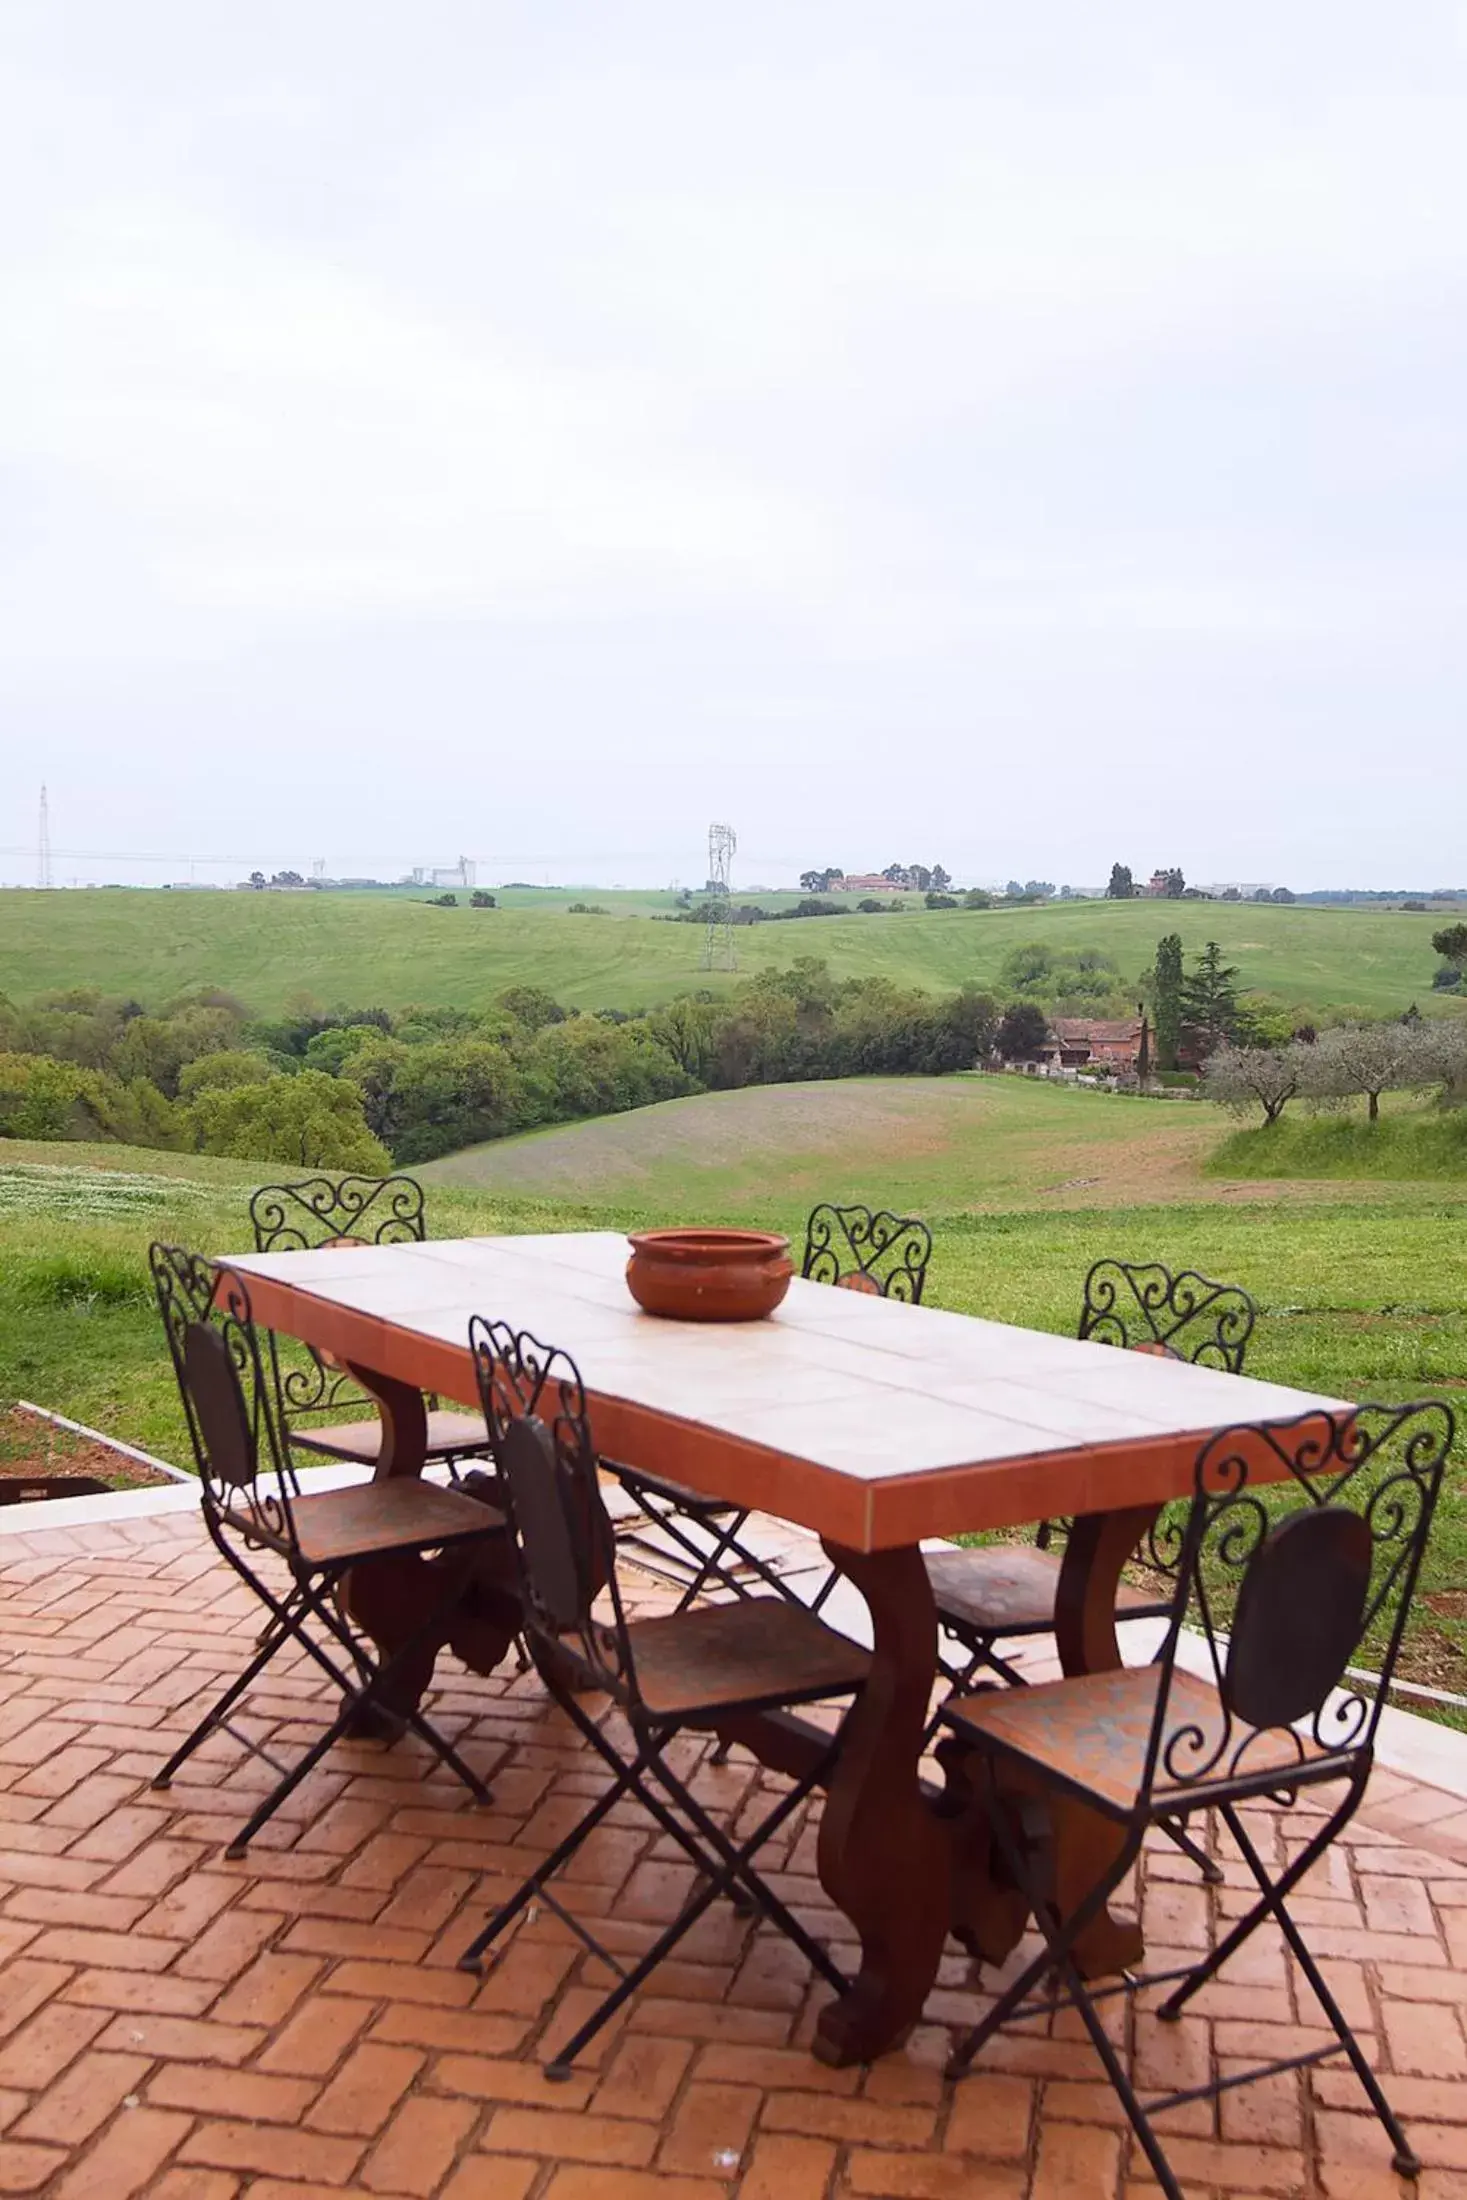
1362, 1288
392, 949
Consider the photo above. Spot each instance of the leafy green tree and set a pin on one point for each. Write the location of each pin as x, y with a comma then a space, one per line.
1122, 885
309, 1120
973, 1019
479, 899
41, 1097
594, 1068
687, 1029
1451, 944
1023, 1031
531, 1006
374, 1069
331, 1050
1211, 1013
1176, 885
976, 898
458, 1092
1166, 999
231, 1067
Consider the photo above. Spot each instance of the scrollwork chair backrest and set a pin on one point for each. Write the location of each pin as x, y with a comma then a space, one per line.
565, 1552
1187, 1316
324, 1210
318, 1212
241, 1454
1303, 1543
883, 1254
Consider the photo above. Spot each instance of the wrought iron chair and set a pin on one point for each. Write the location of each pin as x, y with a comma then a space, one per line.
314, 1390
998, 1591
667, 1676
253, 1509
1319, 1525
698, 1539
883, 1254
991, 1591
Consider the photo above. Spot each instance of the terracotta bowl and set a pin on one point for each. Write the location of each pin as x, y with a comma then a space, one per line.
709, 1275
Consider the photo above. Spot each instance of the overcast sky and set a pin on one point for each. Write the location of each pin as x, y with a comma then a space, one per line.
1015, 436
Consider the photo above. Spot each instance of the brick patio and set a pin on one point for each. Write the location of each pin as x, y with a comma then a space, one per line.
293, 2025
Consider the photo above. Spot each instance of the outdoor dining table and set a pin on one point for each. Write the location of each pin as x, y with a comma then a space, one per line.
874, 1424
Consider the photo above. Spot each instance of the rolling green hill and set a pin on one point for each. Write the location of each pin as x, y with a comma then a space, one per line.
939, 1145
272, 949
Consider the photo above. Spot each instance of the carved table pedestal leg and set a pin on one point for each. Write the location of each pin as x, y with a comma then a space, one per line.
882, 1855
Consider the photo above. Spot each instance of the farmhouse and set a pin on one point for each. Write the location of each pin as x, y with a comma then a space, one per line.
868, 882
1096, 1043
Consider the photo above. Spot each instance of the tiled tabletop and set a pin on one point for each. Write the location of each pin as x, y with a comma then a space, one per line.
862, 1418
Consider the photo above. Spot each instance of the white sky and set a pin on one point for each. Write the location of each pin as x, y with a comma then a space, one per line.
1011, 436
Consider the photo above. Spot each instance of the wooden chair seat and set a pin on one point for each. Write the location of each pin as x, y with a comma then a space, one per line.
1010, 1589
399, 1513
761, 1650
1090, 1734
450, 1436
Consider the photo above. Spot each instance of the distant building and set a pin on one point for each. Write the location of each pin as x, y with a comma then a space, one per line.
867, 882
1097, 1043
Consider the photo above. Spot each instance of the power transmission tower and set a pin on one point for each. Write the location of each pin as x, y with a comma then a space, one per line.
718, 943
43, 844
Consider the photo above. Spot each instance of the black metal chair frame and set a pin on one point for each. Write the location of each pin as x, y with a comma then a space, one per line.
882, 1253
853, 1247
322, 1211
1315, 1577
565, 1550
251, 1501
1213, 1322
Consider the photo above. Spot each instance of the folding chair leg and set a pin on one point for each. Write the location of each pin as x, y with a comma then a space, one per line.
1058, 1956
1404, 2160
1275, 1891
269, 1641
1014, 1995
472, 1957
1115, 2070
427, 1732
712, 1565
734, 1863
308, 1600
1177, 1834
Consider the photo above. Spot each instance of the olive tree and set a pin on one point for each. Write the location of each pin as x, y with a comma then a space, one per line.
1350, 1059
1443, 1046
1241, 1078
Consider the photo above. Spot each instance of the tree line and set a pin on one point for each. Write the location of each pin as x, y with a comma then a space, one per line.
358, 1088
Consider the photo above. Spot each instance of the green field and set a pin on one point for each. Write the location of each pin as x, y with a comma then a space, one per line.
273, 950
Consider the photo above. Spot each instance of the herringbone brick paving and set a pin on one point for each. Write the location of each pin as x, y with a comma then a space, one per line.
292, 2026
